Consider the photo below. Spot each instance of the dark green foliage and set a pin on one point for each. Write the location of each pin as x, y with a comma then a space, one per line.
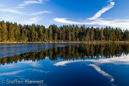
72, 52
12, 32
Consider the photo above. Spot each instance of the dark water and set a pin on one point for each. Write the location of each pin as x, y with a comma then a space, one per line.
64, 65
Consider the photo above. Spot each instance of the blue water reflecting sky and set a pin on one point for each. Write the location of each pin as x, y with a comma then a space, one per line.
16, 49
88, 72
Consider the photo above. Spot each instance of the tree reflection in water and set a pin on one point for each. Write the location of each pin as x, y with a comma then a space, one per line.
72, 52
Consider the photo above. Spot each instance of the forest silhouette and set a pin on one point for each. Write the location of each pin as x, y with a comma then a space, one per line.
13, 32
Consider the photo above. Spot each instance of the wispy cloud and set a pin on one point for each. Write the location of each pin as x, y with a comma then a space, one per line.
11, 73
28, 2
98, 69
95, 20
103, 10
122, 23
11, 11
63, 63
123, 60
25, 16
39, 13
41, 71
31, 63
31, 20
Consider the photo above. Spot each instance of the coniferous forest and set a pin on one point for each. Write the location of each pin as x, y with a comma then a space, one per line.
13, 32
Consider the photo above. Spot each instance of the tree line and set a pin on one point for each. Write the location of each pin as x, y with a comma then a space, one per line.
13, 32
72, 52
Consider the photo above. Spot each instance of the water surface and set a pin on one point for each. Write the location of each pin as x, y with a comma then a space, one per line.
67, 64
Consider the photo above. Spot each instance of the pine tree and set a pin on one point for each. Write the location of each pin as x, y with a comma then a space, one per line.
11, 37
69, 34
41, 33
92, 34
1, 33
102, 36
24, 35
88, 35
64, 33
16, 32
76, 33
4, 32
50, 33
55, 38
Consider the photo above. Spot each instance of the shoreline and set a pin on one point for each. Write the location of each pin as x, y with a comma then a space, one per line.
94, 42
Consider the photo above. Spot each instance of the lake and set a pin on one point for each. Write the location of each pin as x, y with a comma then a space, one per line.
64, 64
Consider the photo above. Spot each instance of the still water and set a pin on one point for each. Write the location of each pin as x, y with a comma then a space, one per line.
64, 64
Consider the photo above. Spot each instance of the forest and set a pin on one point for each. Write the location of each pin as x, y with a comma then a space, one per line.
13, 32
73, 52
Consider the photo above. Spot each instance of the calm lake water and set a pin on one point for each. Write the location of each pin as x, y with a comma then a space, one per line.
64, 64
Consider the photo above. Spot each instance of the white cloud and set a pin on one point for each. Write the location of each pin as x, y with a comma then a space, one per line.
96, 21
115, 60
11, 73
98, 69
64, 20
31, 20
24, 16
63, 63
103, 10
41, 71
123, 60
28, 2
11, 11
40, 12
31, 63
122, 23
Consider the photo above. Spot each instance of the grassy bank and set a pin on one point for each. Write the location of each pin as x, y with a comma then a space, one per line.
89, 42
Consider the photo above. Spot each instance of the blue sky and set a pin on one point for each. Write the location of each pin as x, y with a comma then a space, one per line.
113, 13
